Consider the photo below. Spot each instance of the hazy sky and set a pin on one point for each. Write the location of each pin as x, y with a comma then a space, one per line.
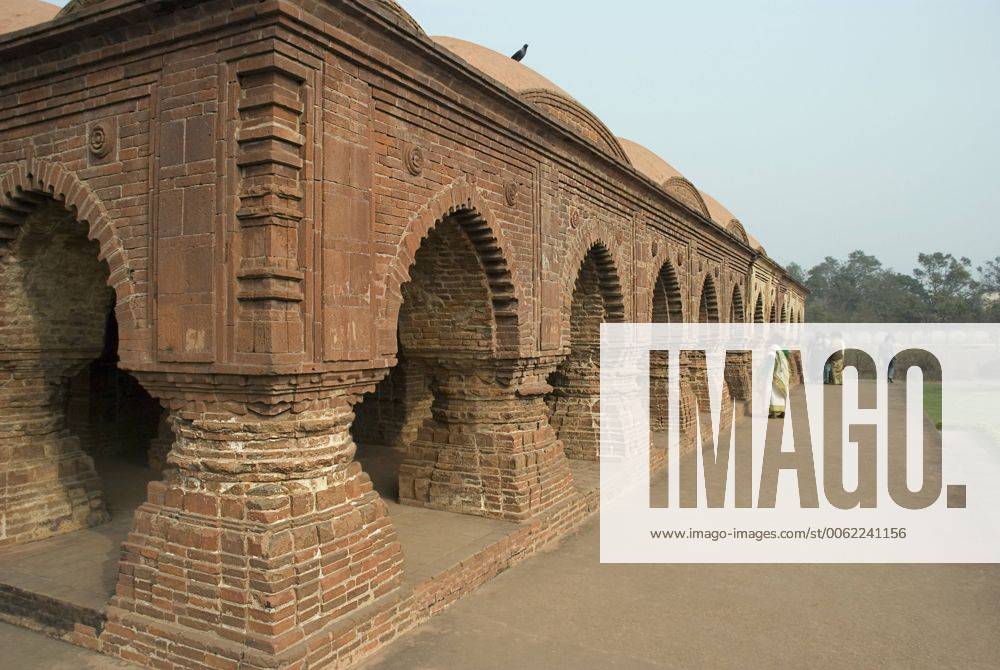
825, 126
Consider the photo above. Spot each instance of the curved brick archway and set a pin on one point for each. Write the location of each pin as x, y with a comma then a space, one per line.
737, 310
708, 302
668, 301
465, 205
28, 184
574, 400
758, 309
62, 267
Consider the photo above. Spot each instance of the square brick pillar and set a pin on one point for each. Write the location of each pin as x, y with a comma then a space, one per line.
659, 399
488, 448
264, 532
48, 485
576, 406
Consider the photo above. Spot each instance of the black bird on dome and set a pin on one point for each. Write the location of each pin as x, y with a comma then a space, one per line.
520, 53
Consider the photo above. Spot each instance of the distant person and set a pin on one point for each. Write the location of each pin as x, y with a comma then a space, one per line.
887, 352
836, 361
779, 384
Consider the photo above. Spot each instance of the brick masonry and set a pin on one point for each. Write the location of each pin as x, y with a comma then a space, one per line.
299, 211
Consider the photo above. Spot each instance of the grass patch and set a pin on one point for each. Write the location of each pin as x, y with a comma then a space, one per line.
932, 394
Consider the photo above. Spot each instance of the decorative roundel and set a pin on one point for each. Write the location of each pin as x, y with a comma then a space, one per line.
656, 248
510, 192
414, 158
100, 144
574, 218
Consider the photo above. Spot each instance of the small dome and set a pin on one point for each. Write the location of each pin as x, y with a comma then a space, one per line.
394, 8
538, 91
648, 163
19, 14
514, 75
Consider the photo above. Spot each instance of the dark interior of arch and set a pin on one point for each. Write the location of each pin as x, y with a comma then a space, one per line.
57, 318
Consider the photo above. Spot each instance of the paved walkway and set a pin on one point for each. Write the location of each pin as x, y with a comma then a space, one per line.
564, 609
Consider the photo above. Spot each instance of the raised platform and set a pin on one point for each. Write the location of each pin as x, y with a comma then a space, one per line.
62, 585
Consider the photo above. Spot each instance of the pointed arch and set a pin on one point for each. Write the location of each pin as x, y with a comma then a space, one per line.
758, 309
608, 281
773, 314
708, 303
783, 318
668, 303
462, 203
737, 311
26, 185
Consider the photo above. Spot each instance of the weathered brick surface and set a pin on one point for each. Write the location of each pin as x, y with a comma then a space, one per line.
290, 201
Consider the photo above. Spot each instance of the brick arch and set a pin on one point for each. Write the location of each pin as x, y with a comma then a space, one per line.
29, 184
668, 297
758, 309
737, 310
708, 301
463, 201
606, 254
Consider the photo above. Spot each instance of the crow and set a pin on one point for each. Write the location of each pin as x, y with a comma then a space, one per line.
520, 53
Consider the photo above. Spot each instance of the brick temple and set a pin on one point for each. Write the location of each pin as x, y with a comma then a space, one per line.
244, 243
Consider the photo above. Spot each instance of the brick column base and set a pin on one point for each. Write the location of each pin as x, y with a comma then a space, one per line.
48, 485
575, 405
488, 448
264, 532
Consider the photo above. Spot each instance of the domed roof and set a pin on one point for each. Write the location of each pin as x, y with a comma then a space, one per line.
648, 163
18, 14
537, 90
394, 7
514, 75
664, 174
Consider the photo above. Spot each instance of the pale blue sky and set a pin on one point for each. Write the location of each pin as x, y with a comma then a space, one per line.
825, 126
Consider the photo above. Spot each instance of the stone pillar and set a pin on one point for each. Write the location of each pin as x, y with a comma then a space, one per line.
576, 406
264, 531
487, 448
48, 485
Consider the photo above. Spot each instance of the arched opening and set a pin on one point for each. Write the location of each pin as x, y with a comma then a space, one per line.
445, 321
708, 305
773, 315
574, 399
667, 308
758, 309
447, 429
737, 312
75, 427
667, 301
784, 314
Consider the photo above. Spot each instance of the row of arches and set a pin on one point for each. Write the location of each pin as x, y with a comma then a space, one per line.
458, 373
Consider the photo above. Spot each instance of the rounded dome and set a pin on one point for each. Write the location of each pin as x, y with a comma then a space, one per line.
394, 8
648, 163
537, 90
664, 174
19, 14
514, 75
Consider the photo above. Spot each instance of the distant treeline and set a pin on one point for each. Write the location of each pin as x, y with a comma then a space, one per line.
941, 289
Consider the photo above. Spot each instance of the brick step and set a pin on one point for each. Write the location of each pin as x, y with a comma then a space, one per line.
53, 616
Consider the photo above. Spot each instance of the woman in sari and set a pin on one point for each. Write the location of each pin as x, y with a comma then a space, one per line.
779, 384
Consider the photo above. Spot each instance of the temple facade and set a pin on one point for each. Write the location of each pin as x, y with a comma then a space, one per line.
268, 231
